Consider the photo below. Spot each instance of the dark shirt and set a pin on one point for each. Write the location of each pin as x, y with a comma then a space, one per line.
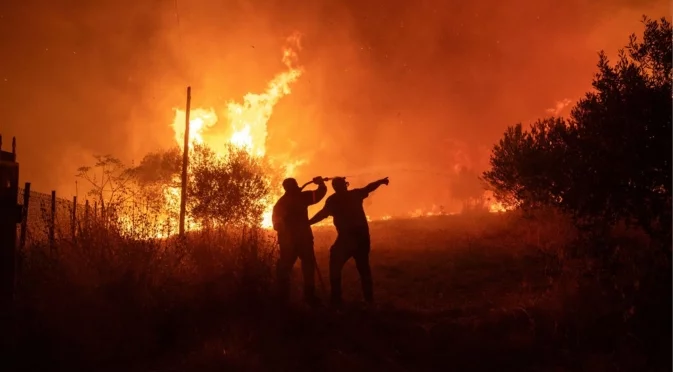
347, 211
290, 214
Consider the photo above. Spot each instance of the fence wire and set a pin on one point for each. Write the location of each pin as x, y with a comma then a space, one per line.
38, 216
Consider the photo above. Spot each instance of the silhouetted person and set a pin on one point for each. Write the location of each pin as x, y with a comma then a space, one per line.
345, 206
295, 237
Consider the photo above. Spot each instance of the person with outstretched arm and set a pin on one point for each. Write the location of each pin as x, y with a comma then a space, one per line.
295, 237
345, 207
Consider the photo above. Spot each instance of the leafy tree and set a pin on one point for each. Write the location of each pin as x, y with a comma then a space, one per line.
527, 165
611, 160
622, 146
156, 172
159, 167
229, 189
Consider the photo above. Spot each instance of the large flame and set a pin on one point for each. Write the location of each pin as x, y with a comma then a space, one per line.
245, 127
246, 123
200, 120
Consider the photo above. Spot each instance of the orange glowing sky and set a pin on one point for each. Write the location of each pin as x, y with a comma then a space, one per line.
418, 91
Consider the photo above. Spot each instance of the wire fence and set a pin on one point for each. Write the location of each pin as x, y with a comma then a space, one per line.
47, 217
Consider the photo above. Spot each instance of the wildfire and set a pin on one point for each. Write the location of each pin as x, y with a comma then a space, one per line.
493, 205
486, 203
246, 124
496, 207
200, 120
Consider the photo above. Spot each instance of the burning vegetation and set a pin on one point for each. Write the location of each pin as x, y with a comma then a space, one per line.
232, 179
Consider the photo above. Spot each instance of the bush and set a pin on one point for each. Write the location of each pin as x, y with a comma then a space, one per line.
228, 190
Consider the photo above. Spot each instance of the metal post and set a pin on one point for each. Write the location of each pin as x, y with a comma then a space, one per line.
10, 217
185, 163
24, 217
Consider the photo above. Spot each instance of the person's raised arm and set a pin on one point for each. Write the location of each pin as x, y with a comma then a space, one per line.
315, 196
375, 185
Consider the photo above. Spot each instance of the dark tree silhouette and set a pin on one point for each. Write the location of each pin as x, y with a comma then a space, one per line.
159, 167
527, 165
611, 160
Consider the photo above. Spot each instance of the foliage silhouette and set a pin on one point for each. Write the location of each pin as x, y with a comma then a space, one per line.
110, 180
611, 160
225, 190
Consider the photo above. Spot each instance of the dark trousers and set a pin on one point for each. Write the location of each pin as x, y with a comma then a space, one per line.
357, 246
289, 252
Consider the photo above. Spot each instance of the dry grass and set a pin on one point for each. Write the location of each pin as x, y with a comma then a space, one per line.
475, 292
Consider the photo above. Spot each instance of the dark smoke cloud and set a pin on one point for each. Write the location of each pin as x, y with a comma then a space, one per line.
410, 89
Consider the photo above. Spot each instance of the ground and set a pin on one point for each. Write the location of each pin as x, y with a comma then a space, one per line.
475, 292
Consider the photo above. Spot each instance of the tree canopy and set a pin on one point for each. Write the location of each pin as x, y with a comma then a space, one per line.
611, 159
229, 189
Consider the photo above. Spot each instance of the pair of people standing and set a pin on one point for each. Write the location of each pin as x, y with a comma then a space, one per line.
295, 237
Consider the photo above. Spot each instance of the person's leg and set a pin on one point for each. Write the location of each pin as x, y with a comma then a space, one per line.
338, 256
361, 256
286, 261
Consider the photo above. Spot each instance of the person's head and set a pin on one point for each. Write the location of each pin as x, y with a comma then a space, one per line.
339, 184
290, 185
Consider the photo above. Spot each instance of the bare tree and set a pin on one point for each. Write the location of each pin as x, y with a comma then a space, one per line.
110, 182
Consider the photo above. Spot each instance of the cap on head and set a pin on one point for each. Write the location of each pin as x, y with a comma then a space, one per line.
339, 183
290, 184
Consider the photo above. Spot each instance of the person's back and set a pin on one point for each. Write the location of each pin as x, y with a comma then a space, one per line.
295, 237
348, 214
347, 210
290, 214
294, 213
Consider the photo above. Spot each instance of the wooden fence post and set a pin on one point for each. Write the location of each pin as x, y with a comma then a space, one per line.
86, 214
24, 216
73, 224
52, 221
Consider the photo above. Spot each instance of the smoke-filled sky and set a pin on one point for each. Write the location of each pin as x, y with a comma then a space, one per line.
415, 90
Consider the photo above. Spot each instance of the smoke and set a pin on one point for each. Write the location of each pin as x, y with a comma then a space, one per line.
427, 85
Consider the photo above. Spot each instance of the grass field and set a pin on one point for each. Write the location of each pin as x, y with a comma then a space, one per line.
477, 291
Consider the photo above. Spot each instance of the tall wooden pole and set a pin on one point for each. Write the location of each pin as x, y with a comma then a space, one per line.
185, 163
